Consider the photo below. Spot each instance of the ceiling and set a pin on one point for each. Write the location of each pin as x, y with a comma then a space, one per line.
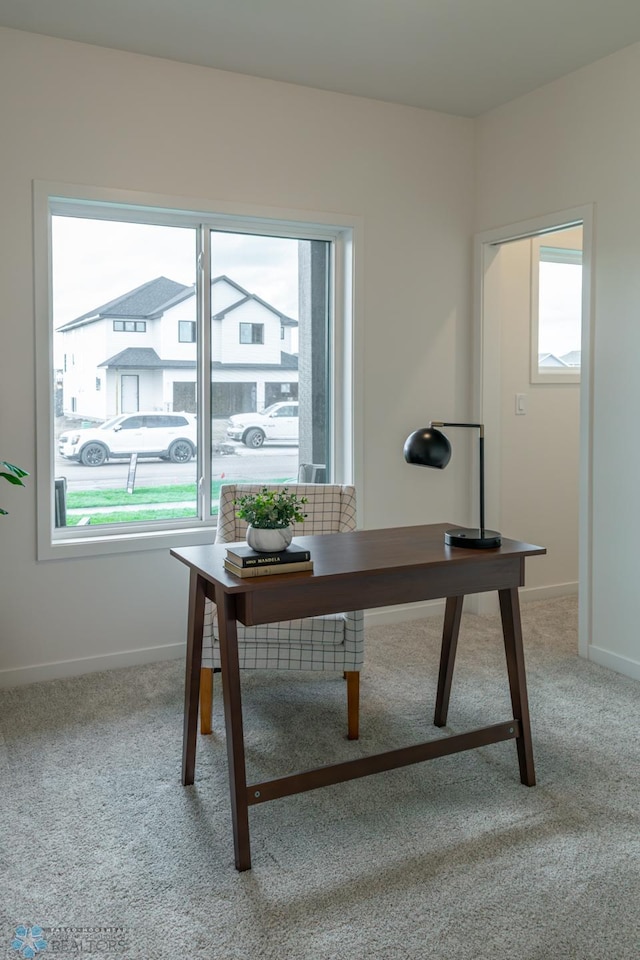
457, 56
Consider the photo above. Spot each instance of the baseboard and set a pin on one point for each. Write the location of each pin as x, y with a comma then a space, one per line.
549, 592
403, 612
613, 661
75, 668
480, 603
486, 604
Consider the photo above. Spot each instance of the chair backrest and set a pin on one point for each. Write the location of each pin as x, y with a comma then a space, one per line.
331, 508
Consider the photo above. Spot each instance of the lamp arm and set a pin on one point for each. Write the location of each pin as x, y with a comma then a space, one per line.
441, 423
480, 428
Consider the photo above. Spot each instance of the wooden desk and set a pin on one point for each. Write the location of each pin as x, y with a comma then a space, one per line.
353, 571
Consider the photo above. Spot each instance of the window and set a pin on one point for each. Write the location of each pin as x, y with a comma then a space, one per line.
187, 331
129, 326
251, 333
556, 307
227, 284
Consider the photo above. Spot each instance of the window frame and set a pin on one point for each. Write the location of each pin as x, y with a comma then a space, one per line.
539, 374
344, 233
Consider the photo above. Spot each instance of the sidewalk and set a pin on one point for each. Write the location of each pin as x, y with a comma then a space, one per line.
130, 507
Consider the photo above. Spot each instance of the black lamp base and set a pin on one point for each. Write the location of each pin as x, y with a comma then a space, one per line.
472, 538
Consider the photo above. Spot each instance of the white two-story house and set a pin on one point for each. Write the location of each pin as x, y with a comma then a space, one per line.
138, 352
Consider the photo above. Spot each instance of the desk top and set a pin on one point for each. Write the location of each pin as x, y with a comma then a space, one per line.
342, 555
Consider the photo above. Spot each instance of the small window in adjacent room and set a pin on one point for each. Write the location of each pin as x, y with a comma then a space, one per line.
251, 333
556, 307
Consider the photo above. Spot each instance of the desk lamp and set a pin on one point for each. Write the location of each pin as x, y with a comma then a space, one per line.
428, 447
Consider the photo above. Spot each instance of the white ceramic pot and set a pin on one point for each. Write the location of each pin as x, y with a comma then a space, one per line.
268, 540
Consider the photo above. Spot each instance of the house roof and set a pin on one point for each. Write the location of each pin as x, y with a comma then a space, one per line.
572, 358
152, 299
284, 319
551, 360
142, 357
146, 357
149, 300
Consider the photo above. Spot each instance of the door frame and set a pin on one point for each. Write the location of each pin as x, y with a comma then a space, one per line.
486, 385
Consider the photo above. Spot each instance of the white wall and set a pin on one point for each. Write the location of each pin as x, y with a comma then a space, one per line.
80, 114
574, 142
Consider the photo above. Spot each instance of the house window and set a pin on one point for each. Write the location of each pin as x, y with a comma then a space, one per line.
130, 326
556, 308
251, 333
209, 398
187, 331
282, 331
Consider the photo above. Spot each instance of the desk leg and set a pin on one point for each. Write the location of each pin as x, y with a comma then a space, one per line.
233, 724
192, 679
450, 631
512, 632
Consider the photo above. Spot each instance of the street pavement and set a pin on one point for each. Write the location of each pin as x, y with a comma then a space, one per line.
244, 464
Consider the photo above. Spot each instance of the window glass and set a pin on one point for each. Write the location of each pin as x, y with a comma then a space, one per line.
147, 271
251, 333
187, 331
556, 303
277, 290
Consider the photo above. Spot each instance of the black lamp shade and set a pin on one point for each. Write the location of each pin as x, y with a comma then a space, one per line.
427, 447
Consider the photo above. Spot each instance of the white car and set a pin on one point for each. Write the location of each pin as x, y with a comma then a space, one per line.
278, 422
170, 436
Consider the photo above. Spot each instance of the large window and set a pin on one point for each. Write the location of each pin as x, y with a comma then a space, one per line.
204, 350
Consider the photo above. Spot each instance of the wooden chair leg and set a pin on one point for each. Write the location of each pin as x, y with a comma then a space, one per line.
353, 703
206, 699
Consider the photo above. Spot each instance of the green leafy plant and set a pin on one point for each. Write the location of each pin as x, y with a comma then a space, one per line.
271, 509
12, 474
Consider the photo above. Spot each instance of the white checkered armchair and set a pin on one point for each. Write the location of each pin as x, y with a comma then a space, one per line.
332, 642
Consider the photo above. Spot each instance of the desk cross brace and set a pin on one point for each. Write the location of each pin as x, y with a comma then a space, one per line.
377, 762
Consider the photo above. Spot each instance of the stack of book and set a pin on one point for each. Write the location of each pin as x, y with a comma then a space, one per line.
242, 561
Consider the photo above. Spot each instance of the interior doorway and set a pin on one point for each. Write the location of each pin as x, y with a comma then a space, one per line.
533, 393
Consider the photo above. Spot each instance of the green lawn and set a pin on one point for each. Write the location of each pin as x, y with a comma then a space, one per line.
89, 500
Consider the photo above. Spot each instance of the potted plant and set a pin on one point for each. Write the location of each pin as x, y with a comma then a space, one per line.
11, 474
270, 514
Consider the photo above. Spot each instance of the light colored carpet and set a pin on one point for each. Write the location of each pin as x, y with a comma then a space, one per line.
452, 859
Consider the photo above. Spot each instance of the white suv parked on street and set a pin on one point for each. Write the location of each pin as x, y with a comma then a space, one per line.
278, 422
170, 436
